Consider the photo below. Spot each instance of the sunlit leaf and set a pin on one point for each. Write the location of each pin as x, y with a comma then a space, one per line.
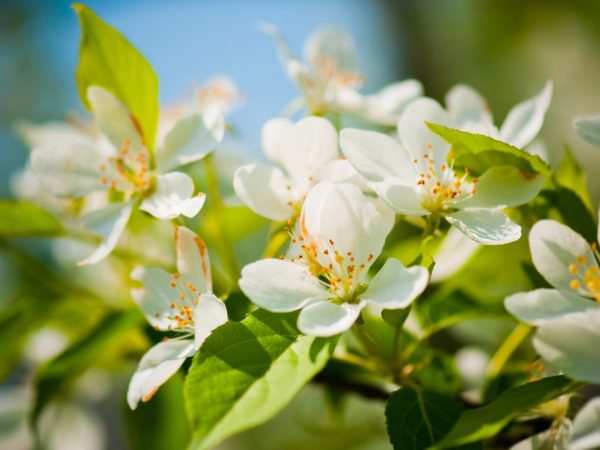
18, 219
246, 372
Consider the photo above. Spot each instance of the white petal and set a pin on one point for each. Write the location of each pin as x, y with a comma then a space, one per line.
155, 296
586, 427
376, 155
467, 106
525, 120
486, 226
454, 252
342, 214
193, 264
156, 367
554, 247
190, 139
114, 119
311, 144
417, 138
588, 128
396, 286
545, 305
331, 44
266, 190
328, 319
51, 133
273, 138
402, 198
341, 171
173, 197
69, 169
280, 286
571, 345
209, 313
109, 223
503, 187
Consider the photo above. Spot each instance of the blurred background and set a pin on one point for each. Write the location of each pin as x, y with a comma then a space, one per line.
505, 49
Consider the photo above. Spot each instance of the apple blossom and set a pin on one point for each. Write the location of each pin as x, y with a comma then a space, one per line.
118, 162
416, 177
568, 316
182, 302
342, 232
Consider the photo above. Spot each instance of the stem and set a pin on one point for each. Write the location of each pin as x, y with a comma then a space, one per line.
275, 243
433, 222
506, 349
220, 231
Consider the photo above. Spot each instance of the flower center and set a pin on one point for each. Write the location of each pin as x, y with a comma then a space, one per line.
182, 306
127, 171
586, 276
328, 70
340, 272
440, 187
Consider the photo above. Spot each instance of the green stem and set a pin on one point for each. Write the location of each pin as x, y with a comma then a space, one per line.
276, 242
505, 351
220, 232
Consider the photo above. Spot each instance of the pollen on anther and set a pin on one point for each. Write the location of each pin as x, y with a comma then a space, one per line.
172, 284
574, 284
581, 259
573, 268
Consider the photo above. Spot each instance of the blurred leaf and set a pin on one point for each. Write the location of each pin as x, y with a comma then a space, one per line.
573, 210
433, 369
108, 60
246, 372
486, 421
159, 424
479, 152
241, 221
569, 175
57, 377
395, 317
417, 419
444, 310
18, 219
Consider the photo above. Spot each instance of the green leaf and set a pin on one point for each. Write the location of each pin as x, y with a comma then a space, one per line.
573, 211
246, 372
570, 175
447, 309
479, 152
159, 424
486, 421
57, 377
417, 419
108, 60
395, 317
19, 219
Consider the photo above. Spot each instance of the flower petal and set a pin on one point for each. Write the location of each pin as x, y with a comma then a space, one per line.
341, 171
280, 286
586, 432
376, 155
417, 138
209, 313
571, 345
155, 296
401, 197
554, 247
266, 190
545, 305
325, 319
193, 264
503, 187
109, 223
114, 119
486, 226
340, 218
156, 367
311, 144
396, 286
173, 197
467, 106
51, 133
525, 120
190, 139
588, 128
273, 138
330, 44
68, 169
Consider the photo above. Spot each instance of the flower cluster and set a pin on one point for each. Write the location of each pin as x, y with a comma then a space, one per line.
330, 217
